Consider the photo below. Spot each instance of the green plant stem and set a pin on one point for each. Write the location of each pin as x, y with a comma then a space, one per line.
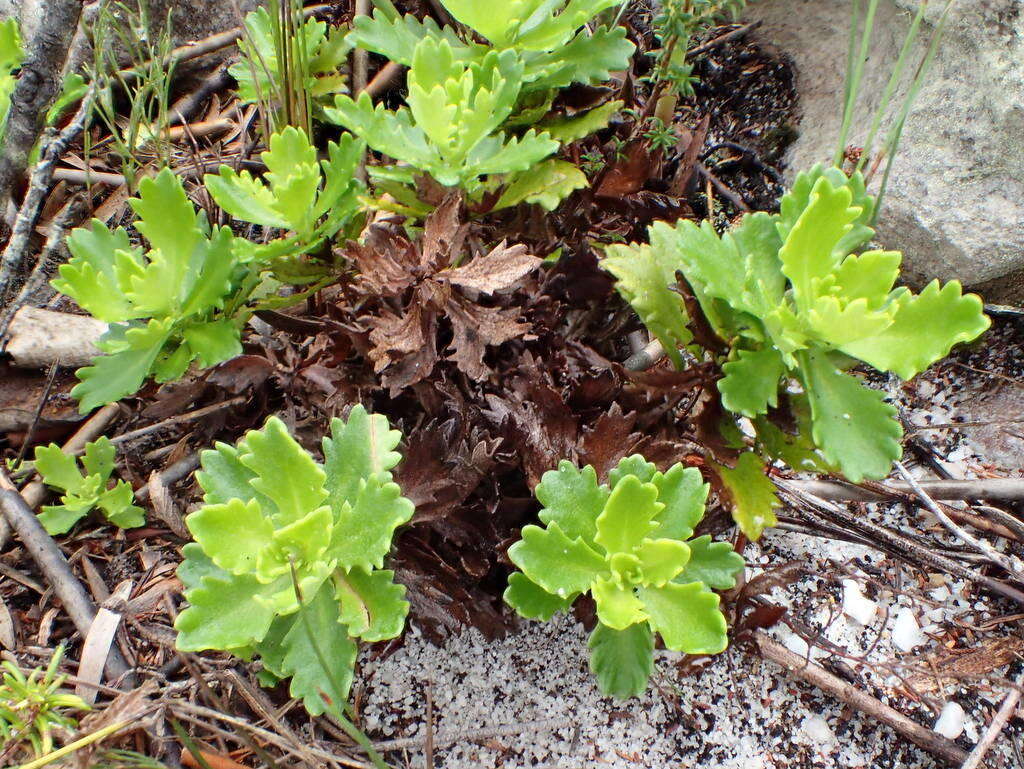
67, 750
854, 78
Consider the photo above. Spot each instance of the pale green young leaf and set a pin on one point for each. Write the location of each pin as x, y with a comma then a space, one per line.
559, 565
869, 276
390, 133
854, 426
661, 560
232, 534
243, 197
58, 469
319, 625
60, 519
687, 617
532, 601
498, 155
569, 129
633, 465
924, 329
366, 523
360, 447
223, 477
617, 605
683, 492
715, 564
372, 605
645, 277
622, 660
589, 58
285, 472
751, 382
91, 278
116, 505
98, 458
547, 185
809, 252
213, 342
573, 499
836, 323
628, 516
752, 494
795, 202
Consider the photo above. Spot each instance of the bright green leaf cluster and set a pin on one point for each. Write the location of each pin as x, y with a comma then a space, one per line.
549, 36
311, 199
275, 525
33, 707
321, 53
452, 126
85, 489
792, 300
11, 56
165, 305
628, 544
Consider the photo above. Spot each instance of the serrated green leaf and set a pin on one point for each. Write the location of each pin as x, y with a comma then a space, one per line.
854, 426
751, 382
570, 129
751, 493
795, 202
837, 323
628, 515
547, 185
243, 197
617, 606
532, 601
366, 525
684, 493
924, 329
715, 564
559, 565
809, 253
687, 617
372, 605
98, 458
232, 534
58, 469
115, 376
214, 342
359, 448
869, 276
661, 560
224, 614
117, 507
635, 465
622, 660
573, 499
397, 37
318, 625
224, 478
60, 519
91, 278
644, 278
589, 58
284, 472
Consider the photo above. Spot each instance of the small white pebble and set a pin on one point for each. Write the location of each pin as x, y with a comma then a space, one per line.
951, 721
818, 731
906, 633
855, 605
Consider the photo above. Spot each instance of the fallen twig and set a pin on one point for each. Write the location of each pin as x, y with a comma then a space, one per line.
999, 721
847, 693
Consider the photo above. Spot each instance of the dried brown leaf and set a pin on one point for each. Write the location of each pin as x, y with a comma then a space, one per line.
498, 270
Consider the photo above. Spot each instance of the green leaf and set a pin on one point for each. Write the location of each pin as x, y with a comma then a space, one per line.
628, 516
752, 494
687, 617
869, 276
117, 507
232, 534
661, 560
91, 278
573, 499
548, 184
60, 519
319, 625
360, 447
244, 197
284, 472
112, 377
684, 493
532, 601
570, 129
636, 465
751, 382
622, 660
854, 426
795, 202
224, 614
214, 342
58, 469
924, 329
396, 38
372, 605
366, 525
809, 252
557, 564
617, 606
644, 278
715, 564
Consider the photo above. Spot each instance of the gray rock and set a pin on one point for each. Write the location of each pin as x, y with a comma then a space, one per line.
955, 205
